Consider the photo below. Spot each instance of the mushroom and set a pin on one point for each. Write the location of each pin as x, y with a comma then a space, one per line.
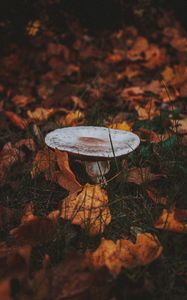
96, 146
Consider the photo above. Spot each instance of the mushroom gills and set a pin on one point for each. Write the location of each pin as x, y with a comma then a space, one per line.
97, 170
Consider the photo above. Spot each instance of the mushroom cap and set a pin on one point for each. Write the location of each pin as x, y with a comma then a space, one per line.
93, 142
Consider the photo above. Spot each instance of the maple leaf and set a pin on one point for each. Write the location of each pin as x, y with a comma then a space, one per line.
42, 114
16, 120
125, 254
172, 220
89, 209
66, 178
132, 93
141, 175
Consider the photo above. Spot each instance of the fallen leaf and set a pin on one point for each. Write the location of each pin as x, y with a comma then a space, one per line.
116, 57
33, 230
89, 209
139, 48
125, 254
16, 120
168, 74
5, 290
66, 178
14, 261
6, 216
152, 194
44, 162
132, 93
72, 118
148, 112
151, 136
8, 156
172, 220
154, 57
21, 100
29, 143
141, 175
41, 114
71, 279
121, 126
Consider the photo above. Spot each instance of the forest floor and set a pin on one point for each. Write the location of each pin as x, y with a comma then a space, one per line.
61, 235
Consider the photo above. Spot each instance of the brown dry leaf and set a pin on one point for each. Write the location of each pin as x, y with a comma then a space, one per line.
132, 93
5, 290
34, 231
116, 57
139, 48
66, 178
121, 126
148, 112
58, 49
130, 72
125, 254
151, 136
16, 120
168, 74
6, 216
71, 279
179, 43
152, 194
141, 175
44, 162
29, 143
20, 100
8, 156
78, 102
14, 260
89, 209
33, 27
172, 220
154, 57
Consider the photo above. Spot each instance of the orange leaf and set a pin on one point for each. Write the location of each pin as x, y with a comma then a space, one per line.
121, 126
125, 254
89, 209
16, 120
66, 178
172, 220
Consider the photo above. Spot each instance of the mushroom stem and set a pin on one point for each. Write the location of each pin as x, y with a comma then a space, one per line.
97, 170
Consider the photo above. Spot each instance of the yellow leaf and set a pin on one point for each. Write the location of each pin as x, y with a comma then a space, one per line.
120, 126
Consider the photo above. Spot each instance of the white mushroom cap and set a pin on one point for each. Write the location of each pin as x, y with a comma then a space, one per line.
93, 142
